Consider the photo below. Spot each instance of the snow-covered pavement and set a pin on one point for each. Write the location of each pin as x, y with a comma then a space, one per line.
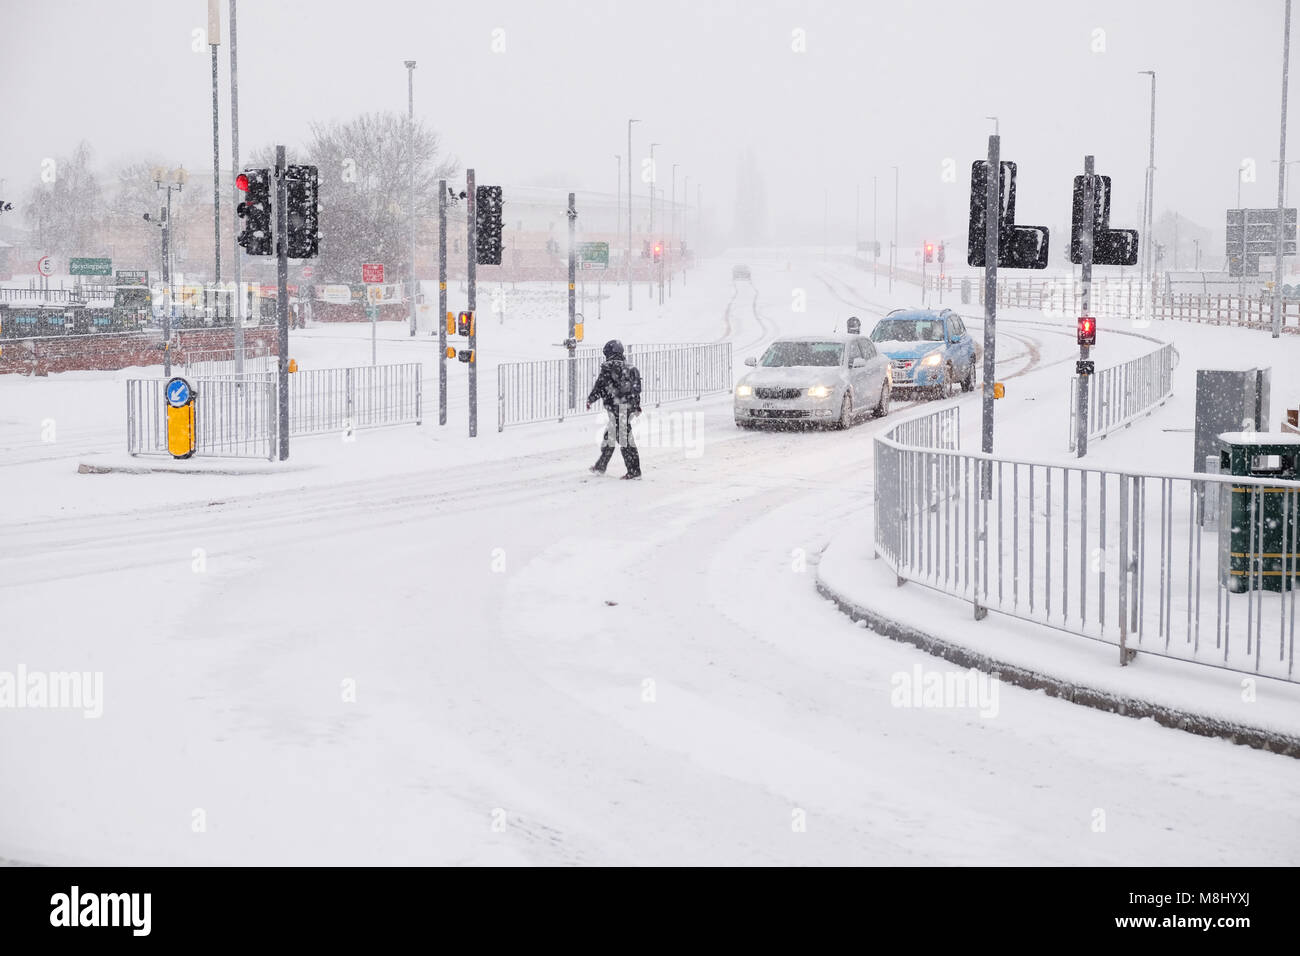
427, 649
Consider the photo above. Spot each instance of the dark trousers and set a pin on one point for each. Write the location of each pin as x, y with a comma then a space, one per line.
619, 432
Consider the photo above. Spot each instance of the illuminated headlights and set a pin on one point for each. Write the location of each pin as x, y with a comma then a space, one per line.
934, 358
819, 391
744, 391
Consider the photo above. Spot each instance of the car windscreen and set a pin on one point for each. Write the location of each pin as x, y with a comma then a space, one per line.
790, 354
908, 330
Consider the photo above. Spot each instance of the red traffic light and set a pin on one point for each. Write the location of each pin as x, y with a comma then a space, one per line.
241, 182
1087, 330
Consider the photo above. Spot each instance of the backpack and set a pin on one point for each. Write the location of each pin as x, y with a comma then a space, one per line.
625, 382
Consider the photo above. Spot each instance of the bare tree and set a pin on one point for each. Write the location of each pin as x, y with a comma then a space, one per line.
364, 168
67, 211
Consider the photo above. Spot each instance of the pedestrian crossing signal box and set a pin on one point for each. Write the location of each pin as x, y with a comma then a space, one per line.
465, 324
179, 396
466, 355
577, 332
451, 323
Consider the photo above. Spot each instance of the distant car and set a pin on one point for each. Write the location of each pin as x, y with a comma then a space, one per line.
927, 350
831, 379
740, 272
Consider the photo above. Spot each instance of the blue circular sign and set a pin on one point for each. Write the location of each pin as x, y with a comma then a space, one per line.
178, 392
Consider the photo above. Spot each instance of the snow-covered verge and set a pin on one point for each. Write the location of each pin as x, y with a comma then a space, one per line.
1160, 442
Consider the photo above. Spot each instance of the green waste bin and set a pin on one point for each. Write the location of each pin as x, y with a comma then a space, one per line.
1258, 524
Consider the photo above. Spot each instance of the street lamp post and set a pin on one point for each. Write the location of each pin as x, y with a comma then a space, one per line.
650, 285
893, 249
629, 212
1281, 175
238, 303
686, 205
410, 148
672, 230
618, 197
875, 233
214, 40
1148, 261
168, 179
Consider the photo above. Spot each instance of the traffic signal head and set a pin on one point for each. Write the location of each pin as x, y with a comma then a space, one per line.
941, 252
255, 211
301, 188
466, 355
645, 249
487, 225
929, 252
658, 251
465, 324
1087, 330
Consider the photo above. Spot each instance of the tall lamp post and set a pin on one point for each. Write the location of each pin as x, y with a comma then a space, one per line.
893, 250
618, 198
1148, 263
238, 304
650, 286
629, 212
410, 207
672, 230
1281, 175
686, 221
214, 40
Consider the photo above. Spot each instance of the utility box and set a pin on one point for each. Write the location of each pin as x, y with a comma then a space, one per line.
1259, 528
1228, 401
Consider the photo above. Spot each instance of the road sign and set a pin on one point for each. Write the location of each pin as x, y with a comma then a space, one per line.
45, 266
1110, 247
133, 277
1251, 233
593, 255
372, 272
90, 267
336, 294
307, 272
1019, 247
178, 392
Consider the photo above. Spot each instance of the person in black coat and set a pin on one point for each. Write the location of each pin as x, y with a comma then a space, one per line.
618, 386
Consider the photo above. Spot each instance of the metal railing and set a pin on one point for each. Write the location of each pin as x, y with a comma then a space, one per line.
1121, 393
234, 417
1203, 568
344, 399
238, 416
539, 391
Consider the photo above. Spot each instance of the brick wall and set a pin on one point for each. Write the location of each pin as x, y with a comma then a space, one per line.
110, 351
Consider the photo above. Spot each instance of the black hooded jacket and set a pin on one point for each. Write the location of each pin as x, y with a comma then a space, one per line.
617, 384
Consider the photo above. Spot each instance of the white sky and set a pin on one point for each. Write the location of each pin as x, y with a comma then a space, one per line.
906, 83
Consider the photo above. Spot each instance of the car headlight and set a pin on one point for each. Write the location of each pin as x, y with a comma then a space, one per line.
819, 391
934, 358
744, 391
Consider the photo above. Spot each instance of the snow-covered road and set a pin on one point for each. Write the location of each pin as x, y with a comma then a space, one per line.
499, 659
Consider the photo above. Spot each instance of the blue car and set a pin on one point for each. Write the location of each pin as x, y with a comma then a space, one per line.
927, 350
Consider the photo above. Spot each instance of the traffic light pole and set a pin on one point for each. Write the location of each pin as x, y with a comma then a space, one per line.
238, 303
472, 242
442, 302
571, 341
992, 234
282, 305
1085, 243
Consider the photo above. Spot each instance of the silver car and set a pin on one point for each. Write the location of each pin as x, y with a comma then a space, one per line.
831, 379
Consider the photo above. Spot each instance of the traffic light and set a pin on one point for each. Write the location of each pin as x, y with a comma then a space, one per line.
466, 355
255, 210
658, 250
487, 225
1087, 330
465, 324
301, 188
941, 252
929, 252
645, 249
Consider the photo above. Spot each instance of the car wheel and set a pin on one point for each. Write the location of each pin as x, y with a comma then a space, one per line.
968, 383
882, 409
846, 412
